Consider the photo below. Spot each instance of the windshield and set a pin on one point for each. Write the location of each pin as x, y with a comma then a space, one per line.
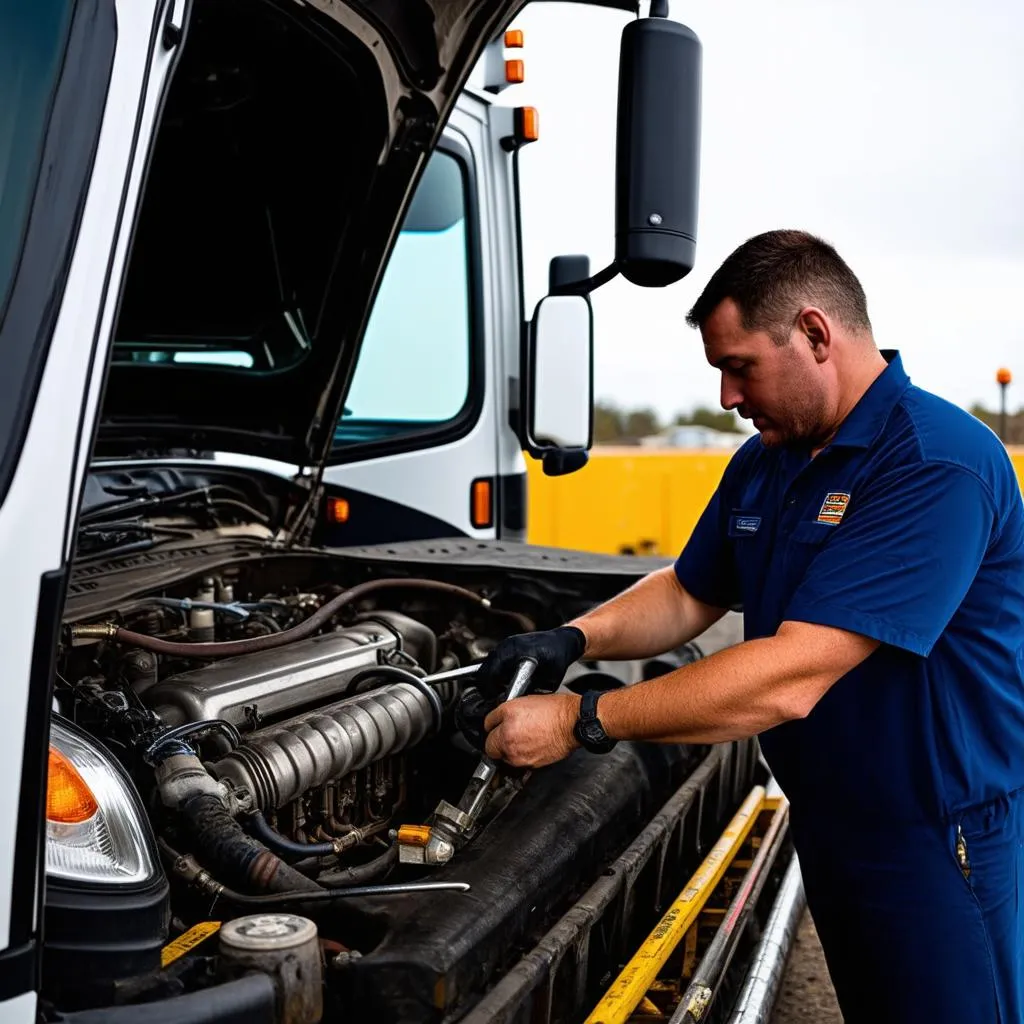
32, 37
414, 368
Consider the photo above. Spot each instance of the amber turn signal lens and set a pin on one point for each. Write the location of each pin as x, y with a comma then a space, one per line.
515, 72
337, 510
481, 510
514, 39
69, 799
527, 122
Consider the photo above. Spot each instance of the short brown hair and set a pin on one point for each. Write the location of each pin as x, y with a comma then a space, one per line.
772, 274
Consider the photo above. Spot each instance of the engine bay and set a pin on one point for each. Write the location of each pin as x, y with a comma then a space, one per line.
286, 727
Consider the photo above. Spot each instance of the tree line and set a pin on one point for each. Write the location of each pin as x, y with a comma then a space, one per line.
1014, 422
616, 425
613, 424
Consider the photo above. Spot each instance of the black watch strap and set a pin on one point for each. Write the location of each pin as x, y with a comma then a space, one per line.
588, 729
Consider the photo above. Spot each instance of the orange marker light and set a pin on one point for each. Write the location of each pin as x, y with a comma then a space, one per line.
481, 511
337, 510
1003, 376
515, 72
527, 125
514, 39
69, 799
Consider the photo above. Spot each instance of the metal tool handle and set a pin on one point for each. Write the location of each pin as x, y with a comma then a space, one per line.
521, 680
473, 798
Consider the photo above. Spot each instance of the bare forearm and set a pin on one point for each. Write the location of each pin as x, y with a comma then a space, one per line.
653, 616
735, 693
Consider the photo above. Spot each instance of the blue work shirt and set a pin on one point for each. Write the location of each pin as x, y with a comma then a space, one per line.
908, 528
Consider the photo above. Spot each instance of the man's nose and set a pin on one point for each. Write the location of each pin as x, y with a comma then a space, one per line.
731, 396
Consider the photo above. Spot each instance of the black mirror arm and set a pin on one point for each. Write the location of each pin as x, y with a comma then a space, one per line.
588, 285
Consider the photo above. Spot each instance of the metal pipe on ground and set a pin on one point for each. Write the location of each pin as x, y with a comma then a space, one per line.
704, 985
761, 989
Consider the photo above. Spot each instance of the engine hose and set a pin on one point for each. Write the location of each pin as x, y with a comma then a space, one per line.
274, 841
360, 874
231, 854
403, 674
172, 741
185, 866
250, 645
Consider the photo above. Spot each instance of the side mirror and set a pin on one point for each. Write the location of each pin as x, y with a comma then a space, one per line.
558, 400
657, 161
657, 156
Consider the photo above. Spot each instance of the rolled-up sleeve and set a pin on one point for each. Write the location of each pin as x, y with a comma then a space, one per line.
903, 558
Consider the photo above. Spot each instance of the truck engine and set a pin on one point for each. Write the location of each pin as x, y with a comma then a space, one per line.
285, 740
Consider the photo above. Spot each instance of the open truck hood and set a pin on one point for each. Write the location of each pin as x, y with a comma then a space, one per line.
403, 63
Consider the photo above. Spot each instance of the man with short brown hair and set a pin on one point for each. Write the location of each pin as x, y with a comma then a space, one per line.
874, 536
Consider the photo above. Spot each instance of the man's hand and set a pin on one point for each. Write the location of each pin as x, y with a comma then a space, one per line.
553, 650
530, 732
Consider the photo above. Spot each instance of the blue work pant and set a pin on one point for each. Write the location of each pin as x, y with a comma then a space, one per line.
912, 929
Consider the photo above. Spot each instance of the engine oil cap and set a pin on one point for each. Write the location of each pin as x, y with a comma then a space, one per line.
265, 933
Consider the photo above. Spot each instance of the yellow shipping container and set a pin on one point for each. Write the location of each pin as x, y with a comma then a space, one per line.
632, 500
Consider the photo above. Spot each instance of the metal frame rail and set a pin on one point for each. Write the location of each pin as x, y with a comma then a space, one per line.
553, 981
710, 915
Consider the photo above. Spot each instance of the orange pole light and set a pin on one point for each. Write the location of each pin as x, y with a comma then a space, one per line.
1003, 378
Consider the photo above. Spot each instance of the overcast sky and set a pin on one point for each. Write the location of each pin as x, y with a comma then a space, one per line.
893, 129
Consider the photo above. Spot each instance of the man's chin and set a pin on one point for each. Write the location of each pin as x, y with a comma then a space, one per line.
772, 436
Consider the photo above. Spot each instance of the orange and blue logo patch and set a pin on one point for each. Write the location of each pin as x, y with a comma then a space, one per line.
833, 508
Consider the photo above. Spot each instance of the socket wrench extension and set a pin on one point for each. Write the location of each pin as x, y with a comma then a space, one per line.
453, 823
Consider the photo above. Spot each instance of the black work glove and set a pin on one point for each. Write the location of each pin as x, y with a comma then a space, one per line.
554, 650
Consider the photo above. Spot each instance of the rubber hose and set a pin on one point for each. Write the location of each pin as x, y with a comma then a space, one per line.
230, 648
277, 843
405, 676
226, 851
360, 874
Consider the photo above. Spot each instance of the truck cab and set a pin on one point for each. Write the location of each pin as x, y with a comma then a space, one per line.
269, 385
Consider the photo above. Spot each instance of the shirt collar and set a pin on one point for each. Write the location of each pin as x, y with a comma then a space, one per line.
867, 418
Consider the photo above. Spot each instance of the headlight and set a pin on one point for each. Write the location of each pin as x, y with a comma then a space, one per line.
95, 828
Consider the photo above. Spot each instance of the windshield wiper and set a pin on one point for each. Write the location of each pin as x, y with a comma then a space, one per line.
197, 498
123, 536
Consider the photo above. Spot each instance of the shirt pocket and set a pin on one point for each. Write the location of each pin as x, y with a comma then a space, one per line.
812, 533
805, 541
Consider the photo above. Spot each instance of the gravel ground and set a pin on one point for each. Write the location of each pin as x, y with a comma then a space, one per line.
807, 996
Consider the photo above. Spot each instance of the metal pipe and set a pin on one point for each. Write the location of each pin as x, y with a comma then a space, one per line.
761, 989
633, 982
704, 985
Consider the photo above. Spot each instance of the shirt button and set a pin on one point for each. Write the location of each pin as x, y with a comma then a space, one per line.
791, 502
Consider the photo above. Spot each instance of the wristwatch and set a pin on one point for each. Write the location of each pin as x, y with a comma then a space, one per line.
588, 729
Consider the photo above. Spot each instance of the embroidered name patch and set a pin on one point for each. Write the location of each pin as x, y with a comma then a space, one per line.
834, 507
746, 524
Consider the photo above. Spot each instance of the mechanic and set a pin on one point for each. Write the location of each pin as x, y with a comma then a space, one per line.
873, 535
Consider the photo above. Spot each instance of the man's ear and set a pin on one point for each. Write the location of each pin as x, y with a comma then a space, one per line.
816, 329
